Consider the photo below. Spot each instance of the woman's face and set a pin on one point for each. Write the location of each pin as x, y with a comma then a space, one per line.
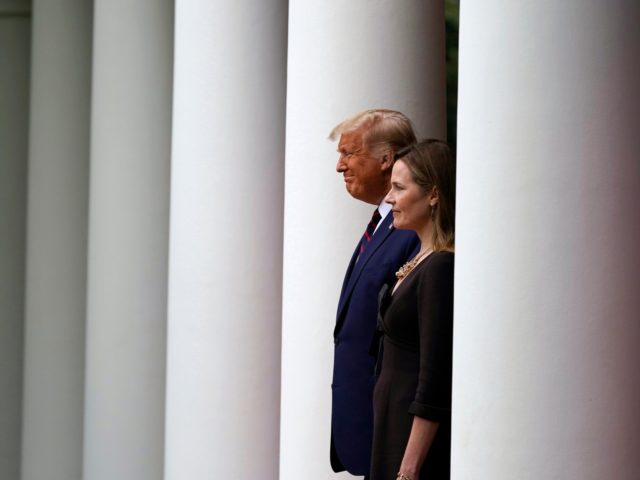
410, 204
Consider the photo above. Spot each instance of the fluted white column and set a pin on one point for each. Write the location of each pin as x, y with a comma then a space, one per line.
15, 29
128, 240
223, 377
546, 334
344, 57
56, 244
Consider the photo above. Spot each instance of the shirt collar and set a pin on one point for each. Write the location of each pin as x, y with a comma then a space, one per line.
384, 208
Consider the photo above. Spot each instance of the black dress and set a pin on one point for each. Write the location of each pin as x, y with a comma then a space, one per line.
415, 375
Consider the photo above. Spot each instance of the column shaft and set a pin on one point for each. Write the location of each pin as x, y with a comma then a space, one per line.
344, 57
547, 268
57, 246
223, 388
15, 30
128, 240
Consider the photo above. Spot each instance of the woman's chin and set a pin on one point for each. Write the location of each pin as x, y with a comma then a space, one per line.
398, 224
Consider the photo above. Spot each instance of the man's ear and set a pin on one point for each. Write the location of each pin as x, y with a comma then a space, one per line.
386, 161
433, 196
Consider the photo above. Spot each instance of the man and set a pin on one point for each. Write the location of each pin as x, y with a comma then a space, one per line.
368, 143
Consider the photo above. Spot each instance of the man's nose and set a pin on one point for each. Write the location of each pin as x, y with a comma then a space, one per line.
340, 166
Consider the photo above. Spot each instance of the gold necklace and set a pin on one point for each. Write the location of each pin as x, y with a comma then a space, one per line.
410, 265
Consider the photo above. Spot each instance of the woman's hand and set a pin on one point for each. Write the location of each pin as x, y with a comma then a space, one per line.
423, 432
402, 476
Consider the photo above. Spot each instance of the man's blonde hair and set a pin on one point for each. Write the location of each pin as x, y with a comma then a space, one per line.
383, 129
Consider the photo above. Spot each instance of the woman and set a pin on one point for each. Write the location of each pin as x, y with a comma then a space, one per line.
412, 398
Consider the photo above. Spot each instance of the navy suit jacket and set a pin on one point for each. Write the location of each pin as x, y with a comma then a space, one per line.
353, 367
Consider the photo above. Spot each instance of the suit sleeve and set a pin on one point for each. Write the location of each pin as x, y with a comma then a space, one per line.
435, 316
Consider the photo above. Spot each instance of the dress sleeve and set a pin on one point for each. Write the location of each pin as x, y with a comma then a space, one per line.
435, 320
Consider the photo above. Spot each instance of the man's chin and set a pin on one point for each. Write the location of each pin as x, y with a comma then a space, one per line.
352, 191
360, 195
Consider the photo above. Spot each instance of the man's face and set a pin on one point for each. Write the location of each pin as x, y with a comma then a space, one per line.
363, 174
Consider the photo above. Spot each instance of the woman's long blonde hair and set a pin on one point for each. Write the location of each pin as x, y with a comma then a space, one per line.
432, 165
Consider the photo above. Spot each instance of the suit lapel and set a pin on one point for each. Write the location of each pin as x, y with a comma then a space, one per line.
356, 267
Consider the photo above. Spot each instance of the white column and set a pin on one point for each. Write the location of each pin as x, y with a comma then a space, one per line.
223, 374
547, 335
56, 243
128, 240
344, 57
15, 30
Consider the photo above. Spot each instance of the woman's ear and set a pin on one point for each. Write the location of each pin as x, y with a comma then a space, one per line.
433, 196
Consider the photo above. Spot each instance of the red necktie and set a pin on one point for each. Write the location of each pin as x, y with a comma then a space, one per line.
368, 233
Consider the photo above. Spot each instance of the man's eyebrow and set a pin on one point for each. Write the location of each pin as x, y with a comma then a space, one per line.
351, 148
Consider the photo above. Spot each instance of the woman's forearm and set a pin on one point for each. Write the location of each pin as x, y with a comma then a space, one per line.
422, 434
